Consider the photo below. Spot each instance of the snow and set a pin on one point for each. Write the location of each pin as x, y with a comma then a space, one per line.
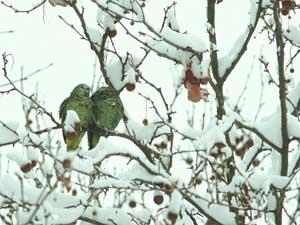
211, 135
6, 132
66, 216
140, 131
114, 70
270, 127
82, 164
71, 120
163, 48
110, 182
293, 33
200, 70
262, 181
18, 157
47, 165
226, 61
266, 3
184, 41
109, 23
34, 154
294, 157
293, 98
95, 36
175, 202
109, 216
219, 212
253, 11
172, 21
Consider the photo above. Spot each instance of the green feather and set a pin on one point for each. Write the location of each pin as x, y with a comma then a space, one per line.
107, 111
80, 102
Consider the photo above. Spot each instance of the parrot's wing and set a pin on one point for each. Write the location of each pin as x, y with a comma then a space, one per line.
62, 109
62, 114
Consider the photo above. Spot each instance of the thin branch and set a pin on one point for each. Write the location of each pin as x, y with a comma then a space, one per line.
24, 10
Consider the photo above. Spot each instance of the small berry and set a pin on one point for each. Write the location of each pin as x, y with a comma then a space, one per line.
67, 163
292, 70
168, 188
197, 181
250, 143
132, 204
163, 145
130, 87
189, 160
94, 213
26, 167
111, 33
131, 22
220, 145
172, 217
74, 192
256, 162
145, 122
158, 198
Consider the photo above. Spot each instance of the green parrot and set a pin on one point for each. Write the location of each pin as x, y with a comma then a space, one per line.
80, 102
107, 111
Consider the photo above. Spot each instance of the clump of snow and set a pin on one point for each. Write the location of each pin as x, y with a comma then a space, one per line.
109, 23
253, 11
130, 76
293, 33
267, 3
172, 21
185, 41
18, 157
294, 157
270, 127
47, 165
127, 66
65, 215
110, 182
110, 216
262, 181
34, 154
226, 61
212, 134
71, 120
175, 202
95, 36
293, 98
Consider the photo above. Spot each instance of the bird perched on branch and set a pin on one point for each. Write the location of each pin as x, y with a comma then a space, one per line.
107, 112
74, 129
